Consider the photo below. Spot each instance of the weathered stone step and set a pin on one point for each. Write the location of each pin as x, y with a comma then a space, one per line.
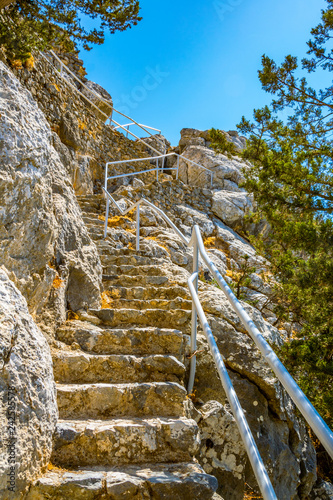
94, 197
134, 270
131, 260
136, 341
105, 401
76, 367
161, 318
129, 281
124, 441
91, 220
177, 303
181, 481
148, 293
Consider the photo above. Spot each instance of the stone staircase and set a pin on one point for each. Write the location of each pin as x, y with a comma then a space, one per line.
120, 372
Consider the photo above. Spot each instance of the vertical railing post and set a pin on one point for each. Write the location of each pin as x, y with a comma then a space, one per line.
138, 228
194, 322
177, 175
107, 201
163, 162
157, 169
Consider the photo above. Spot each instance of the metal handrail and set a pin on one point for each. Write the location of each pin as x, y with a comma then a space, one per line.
157, 169
100, 98
310, 414
141, 125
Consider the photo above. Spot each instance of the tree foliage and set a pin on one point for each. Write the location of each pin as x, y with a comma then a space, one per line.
292, 180
26, 25
220, 143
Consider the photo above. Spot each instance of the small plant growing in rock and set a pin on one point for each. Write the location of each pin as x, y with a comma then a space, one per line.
220, 143
241, 277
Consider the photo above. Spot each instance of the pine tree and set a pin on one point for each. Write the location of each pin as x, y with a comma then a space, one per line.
292, 181
28, 25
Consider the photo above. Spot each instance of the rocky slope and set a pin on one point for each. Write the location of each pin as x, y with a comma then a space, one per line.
53, 148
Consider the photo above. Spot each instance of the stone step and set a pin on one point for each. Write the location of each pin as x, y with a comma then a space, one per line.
77, 367
183, 481
165, 304
136, 341
105, 401
148, 293
134, 270
85, 197
106, 248
177, 318
130, 260
124, 441
91, 220
128, 281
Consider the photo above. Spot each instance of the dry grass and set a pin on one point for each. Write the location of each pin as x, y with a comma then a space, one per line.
57, 282
82, 125
16, 64
72, 316
210, 242
30, 63
106, 300
153, 238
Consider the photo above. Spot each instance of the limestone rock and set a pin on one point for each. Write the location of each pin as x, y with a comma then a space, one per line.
28, 414
69, 131
231, 207
98, 96
222, 451
224, 170
322, 490
44, 243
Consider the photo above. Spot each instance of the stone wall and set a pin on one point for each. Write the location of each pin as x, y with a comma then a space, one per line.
84, 142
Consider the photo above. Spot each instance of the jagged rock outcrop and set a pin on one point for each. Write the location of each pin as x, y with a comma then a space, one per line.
45, 246
28, 412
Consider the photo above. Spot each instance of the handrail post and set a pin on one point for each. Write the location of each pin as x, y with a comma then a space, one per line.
138, 228
163, 162
157, 169
177, 168
193, 345
106, 218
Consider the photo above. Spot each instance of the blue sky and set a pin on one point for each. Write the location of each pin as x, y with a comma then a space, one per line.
194, 63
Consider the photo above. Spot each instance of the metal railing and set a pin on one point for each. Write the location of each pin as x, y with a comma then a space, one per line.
63, 68
128, 125
158, 169
313, 418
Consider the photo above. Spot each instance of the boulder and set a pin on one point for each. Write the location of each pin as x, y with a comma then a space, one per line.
222, 451
28, 414
44, 243
224, 170
231, 207
98, 96
69, 131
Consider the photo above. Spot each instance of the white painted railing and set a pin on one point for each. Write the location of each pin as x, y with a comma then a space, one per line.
313, 418
63, 70
128, 125
157, 169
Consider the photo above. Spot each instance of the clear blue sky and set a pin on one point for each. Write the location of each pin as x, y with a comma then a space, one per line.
194, 63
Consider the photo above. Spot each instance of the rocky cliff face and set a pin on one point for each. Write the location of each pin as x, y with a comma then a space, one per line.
28, 412
44, 244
